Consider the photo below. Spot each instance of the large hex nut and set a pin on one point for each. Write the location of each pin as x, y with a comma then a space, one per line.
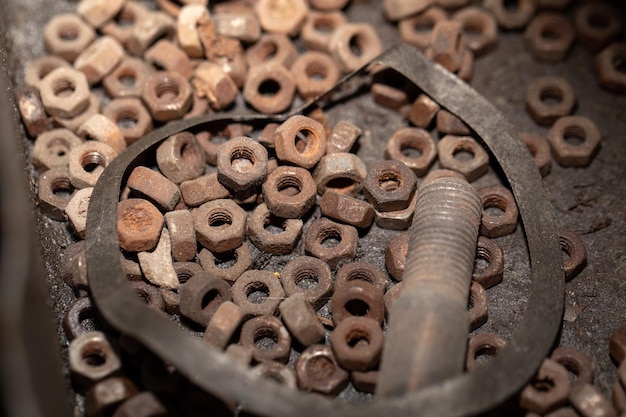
241, 164
289, 192
220, 225
548, 98
389, 185
282, 16
67, 35
574, 140
330, 241
463, 154
609, 75
340, 172
349, 37
64, 92
91, 358
549, 36
167, 95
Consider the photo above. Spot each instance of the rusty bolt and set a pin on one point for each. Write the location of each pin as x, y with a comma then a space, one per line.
220, 225
607, 67
139, 224
330, 241
268, 338
499, 211
301, 320
389, 185
365, 41
317, 370
549, 36
241, 164
273, 234
463, 154
289, 192
67, 35
202, 295
308, 276
91, 359
99, 59
64, 92
347, 209
574, 140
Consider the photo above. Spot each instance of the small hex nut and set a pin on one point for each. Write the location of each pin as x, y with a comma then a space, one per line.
201, 297
220, 225
241, 164
318, 28
357, 343
483, 23
301, 320
281, 16
127, 79
548, 98
272, 48
215, 262
98, 12
452, 150
416, 30
283, 242
340, 172
317, 370
76, 211
64, 92
36, 69
390, 185
314, 73
102, 129
504, 221
269, 88
572, 246
87, 161
515, 18
32, 111
361, 36
99, 59
139, 225
478, 308
294, 151
52, 148
549, 36
347, 209
548, 390
106, 394
331, 242
574, 141
607, 69
131, 117
168, 95
180, 157
154, 186
289, 192
91, 358
540, 151
223, 324
419, 141
343, 137
55, 192
67, 35
597, 24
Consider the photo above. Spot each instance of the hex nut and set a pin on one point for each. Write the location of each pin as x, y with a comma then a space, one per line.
155, 187
396, 219
575, 253
277, 372
314, 73
364, 271
87, 161
273, 234
74, 266
575, 362
80, 311
260, 329
227, 265
389, 185
360, 35
226, 52
55, 192
149, 294
241, 164
32, 111
464, 155
449, 124
203, 189
167, 95
220, 225
167, 55
318, 27
330, 241
308, 276
395, 255
281, 16
597, 24
289, 192
540, 151
340, 172
107, 394
36, 69
317, 370
357, 298
67, 35
99, 58
357, 343
187, 28
502, 220
244, 27
127, 78
364, 381
102, 129
121, 27
269, 88
272, 48
489, 265
347, 209
201, 297
223, 324
76, 211
139, 225
446, 46
151, 26
574, 141
51, 148
423, 111
416, 30
508, 18
180, 157
342, 137
211, 81
589, 401
131, 117
294, 150
480, 345
405, 143
64, 92
91, 359
548, 390
609, 74
301, 320
548, 98
549, 36
478, 309
480, 29
617, 344
182, 234
257, 293
98, 12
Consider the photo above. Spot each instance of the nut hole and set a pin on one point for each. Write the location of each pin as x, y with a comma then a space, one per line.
211, 299
329, 238
225, 260
268, 51
410, 150
543, 385
356, 307
274, 224
320, 368
550, 34
266, 338
483, 258
316, 71
494, 206
473, 29
619, 63
220, 219
356, 44
511, 5
324, 24
127, 77
357, 338
424, 27
93, 355
566, 247
574, 135
306, 279
290, 186
242, 159
598, 21
257, 293
63, 87
68, 32
551, 95
61, 187
269, 88
127, 119
167, 90
93, 162
341, 184
463, 153
360, 275
126, 18
389, 181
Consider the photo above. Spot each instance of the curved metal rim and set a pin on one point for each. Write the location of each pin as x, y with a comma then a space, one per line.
467, 394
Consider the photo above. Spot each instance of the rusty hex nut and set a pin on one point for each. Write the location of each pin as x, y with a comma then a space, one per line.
211, 81
227, 265
269, 88
350, 37
241, 26
397, 219
347, 209
99, 59
318, 27
272, 48
127, 79
357, 298
480, 29
202, 295
64, 92
220, 225
268, 338
32, 111
501, 220
332, 242
55, 192
241, 164
122, 25
74, 268
540, 151
617, 344
574, 140
257, 292
395, 255
482, 344
357, 343
607, 67
423, 111
167, 55
98, 12
294, 150
548, 98
102, 129
67, 35
446, 47
131, 117
575, 362
414, 147
389, 185
340, 172
548, 390
223, 324
364, 271
87, 161
587, 400
416, 30
200, 190
182, 235
276, 372
549, 36
167, 95
91, 359
575, 253
489, 265
301, 320
281, 16
289, 192
152, 26
308, 276
463, 154
76, 211
139, 225
449, 124
317, 370
478, 309
273, 234
511, 18
36, 69
314, 73
597, 24
180, 157
107, 394
154, 186
342, 137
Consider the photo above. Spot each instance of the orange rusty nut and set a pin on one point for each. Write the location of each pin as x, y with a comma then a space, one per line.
416, 30
483, 344
477, 305
347, 209
340, 172
98, 12
200, 190
512, 18
102, 129
241, 164
400, 9
353, 45
318, 28
549, 36
269, 88
187, 29
548, 98
364, 271
301, 141
389, 185
167, 55
480, 30
575, 254
308, 276
273, 234
106, 395
87, 161
202, 295
99, 59
91, 359
272, 48
357, 298
329, 4
211, 81
597, 24
301, 320
76, 211
449, 124
227, 265
267, 337
36, 69
314, 73
227, 53
52, 148
540, 397
223, 324
244, 27
414, 147
220, 225
55, 192
343, 137
64, 92
167, 95
127, 79
180, 157
574, 140
152, 26
423, 111
289, 192
463, 154
182, 235
154, 186
121, 26
281, 16
395, 255
73, 123
357, 343
332, 242
131, 117
609, 67
489, 264
32, 111
397, 219
540, 151
139, 224
446, 47
199, 106
575, 362
499, 211
388, 95
317, 370
67, 35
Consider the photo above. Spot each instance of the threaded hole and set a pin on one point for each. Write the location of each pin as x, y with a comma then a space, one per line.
211, 300
389, 181
324, 24
341, 184
242, 159
551, 95
61, 187
566, 247
225, 260
220, 219
274, 224
473, 28
356, 44
357, 307
305, 139
167, 90
320, 368
423, 26
550, 34
463, 153
68, 32
329, 238
511, 5
360, 275
257, 292
316, 71
357, 338
269, 88
127, 76
63, 87
93, 355
598, 20
543, 385
483, 258
127, 118
46, 68
494, 206
290, 185
485, 353
266, 338
619, 63
268, 51
410, 150
93, 162
574, 135
306, 279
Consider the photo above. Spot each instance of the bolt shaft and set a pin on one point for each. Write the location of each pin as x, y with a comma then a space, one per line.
429, 322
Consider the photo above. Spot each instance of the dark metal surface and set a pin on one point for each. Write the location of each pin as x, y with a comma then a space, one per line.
465, 395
